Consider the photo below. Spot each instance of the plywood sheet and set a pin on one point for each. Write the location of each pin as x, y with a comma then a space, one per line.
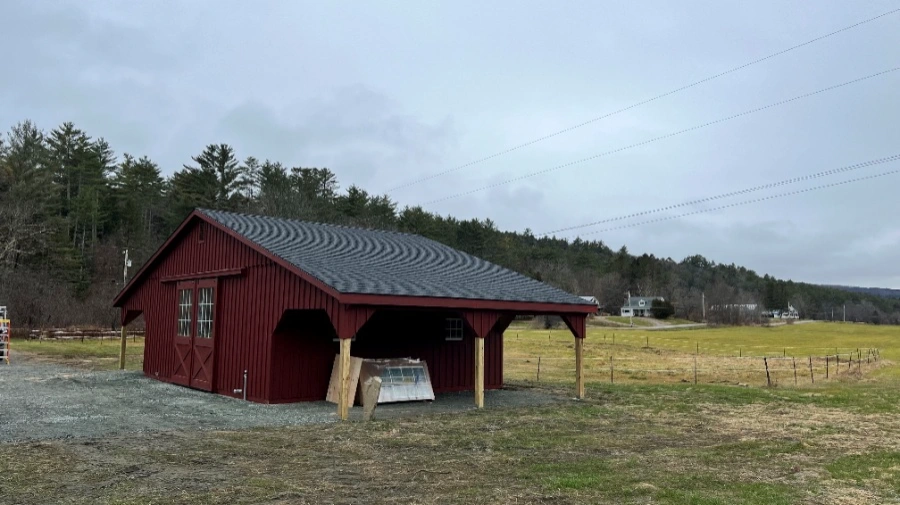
334, 392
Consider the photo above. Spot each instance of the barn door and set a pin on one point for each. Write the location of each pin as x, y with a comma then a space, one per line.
203, 357
195, 334
184, 332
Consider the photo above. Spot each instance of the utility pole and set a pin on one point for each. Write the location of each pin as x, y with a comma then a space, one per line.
703, 303
125, 270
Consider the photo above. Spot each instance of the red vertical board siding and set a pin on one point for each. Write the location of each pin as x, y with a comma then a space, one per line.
280, 328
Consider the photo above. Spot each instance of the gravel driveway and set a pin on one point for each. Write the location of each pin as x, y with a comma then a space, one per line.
41, 401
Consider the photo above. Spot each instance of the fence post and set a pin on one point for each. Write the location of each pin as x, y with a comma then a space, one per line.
795, 369
768, 379
850, 363
695, 369
611, 372
811, 378
648, 342
826, 366
539, 370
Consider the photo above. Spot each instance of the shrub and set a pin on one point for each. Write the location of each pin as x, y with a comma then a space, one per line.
662, 309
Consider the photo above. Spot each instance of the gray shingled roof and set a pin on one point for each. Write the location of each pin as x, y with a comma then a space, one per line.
635, 302
356, 260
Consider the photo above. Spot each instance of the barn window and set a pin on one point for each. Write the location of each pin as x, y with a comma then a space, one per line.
453, 329
185, 309
205, 313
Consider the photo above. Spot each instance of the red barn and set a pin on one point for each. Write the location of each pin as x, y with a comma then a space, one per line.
232, 292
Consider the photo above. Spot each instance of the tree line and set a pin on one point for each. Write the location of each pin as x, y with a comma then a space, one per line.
69, 206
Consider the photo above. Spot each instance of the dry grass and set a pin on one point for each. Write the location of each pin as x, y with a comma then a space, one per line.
644, 439
92, 354
726, 355
625, 444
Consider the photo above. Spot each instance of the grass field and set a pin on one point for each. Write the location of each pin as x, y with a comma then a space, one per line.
643, 440
92, 354
723, 355
638, 321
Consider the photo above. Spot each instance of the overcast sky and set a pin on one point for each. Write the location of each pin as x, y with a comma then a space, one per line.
384, 93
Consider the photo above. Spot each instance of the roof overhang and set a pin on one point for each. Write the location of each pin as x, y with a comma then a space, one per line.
522, 307
199, 215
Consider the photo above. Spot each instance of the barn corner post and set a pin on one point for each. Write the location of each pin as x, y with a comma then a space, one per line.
124, 340
347, 321
479, 371
577, 325
344, 364
481, 323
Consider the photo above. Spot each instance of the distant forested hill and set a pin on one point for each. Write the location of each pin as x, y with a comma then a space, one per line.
69, 206
880, 292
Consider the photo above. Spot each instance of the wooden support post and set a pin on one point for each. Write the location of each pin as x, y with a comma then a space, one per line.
695, 369
795, 369
611, 370
826, 366
539, 370
122, 350
579, 368
479, 372
768, 379
343, 407
812, 379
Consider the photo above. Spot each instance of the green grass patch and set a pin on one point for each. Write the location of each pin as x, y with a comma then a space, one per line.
880, 469
638, 321
94, 354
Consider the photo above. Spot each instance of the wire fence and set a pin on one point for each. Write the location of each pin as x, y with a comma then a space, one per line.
618, 359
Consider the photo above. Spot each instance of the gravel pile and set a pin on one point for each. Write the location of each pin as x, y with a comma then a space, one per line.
40, 401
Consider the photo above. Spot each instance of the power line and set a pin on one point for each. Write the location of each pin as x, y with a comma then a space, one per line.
826, 173
745, 202
662, 137
642, 102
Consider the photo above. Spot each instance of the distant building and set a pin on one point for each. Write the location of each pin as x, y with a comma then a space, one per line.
740, 307
639, 306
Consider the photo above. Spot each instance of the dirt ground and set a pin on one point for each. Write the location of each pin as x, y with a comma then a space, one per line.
43, 400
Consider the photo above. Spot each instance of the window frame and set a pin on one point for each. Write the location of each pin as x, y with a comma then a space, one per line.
205, 322
185, 316
454, 329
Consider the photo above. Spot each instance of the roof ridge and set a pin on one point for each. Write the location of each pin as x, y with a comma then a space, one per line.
317, 223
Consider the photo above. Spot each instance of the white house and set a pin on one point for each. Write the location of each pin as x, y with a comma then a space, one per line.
639, 306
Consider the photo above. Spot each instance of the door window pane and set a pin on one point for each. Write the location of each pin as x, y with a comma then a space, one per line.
185, 306
205, 312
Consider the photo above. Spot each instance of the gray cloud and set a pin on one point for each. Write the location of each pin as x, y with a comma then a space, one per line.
383, 94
